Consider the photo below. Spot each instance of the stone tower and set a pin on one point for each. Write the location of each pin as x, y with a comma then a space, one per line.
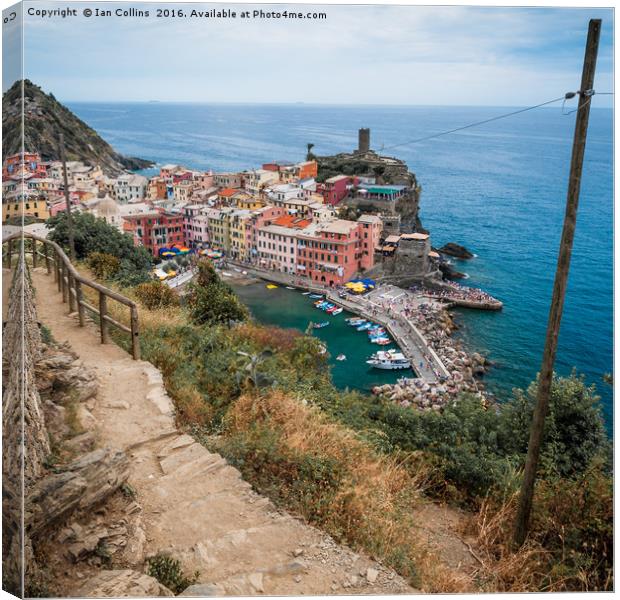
364, 140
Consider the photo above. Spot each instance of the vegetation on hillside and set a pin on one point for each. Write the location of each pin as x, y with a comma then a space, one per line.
111, 253
361, 467
44, 119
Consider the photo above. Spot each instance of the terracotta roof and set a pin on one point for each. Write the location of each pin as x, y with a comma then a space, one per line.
291, 221
228, 192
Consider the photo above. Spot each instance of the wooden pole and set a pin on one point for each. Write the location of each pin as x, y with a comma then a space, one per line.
63, 281
135, 340
103, 311
34, 253
46, 255
67, 199
79, 298
559, 285
70, 286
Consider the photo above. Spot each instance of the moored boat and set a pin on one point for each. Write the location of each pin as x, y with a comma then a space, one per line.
337, 311
320, 325
389, 360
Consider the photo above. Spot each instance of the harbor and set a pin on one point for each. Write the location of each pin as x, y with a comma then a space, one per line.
419, 326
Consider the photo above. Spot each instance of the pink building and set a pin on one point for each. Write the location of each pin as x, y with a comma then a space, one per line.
195, 226
277, 243
259, 218
335, 188
330, 252
372, 226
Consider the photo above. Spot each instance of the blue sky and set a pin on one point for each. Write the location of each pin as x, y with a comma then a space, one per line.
359, 55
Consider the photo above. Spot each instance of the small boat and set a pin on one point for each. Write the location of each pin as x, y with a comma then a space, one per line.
316, 296
364, 327
305, 293
389, 360
288, 287
341, 357
327, 306
384, 342
271, 286
322, 305
337, 311
332, 309
379, 340
355, 320
320, 325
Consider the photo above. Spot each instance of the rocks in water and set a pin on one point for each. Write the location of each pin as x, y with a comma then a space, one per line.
448, 272
123, 583
452, 249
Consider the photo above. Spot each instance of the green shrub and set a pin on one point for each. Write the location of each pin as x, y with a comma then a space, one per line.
168, 572
103, 265
212, 301
155, 294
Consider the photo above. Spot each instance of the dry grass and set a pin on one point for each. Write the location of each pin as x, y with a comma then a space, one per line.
377, 503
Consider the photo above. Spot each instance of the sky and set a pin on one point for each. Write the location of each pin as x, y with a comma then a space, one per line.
402, 55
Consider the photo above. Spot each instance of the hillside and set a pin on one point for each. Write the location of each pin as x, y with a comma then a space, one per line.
45, 118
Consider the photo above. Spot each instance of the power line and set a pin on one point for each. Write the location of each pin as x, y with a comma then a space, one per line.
567, 96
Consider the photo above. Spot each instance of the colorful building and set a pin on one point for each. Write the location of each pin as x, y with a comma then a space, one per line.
336, 188
372, 226
155, 230
330, 252
277, 243
18, 165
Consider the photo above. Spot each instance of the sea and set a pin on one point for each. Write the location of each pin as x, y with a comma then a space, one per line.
499, 189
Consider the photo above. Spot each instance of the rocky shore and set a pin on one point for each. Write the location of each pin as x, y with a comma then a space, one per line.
436, 325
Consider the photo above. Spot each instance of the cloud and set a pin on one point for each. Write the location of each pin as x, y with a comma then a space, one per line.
359, 54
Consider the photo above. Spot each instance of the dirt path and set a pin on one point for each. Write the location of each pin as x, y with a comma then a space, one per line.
193, 504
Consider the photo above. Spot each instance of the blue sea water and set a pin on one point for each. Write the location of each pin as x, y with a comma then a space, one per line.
499, 189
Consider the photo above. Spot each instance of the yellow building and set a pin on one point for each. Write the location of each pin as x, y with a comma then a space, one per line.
246, 201
238, 230
30, 207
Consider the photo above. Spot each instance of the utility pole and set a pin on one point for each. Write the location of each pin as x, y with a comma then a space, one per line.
61, 144
559, 286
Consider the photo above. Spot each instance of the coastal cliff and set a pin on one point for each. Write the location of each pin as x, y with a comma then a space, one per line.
44, 119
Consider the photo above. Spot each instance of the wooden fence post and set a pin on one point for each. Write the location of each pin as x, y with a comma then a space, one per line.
103, 311
135, 339
70, 286
9, 253
79, 298
63, 282
57, 271
34, 253
46, 253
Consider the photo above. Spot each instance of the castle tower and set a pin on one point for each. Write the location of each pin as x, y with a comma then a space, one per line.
364, 140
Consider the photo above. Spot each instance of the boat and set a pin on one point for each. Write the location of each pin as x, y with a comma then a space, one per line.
305, 293
355, 320
288, 287
332, 309
316, 296
320, 325
327, 306
364, 327
322, 305
337, 311
389, 360
383, 341
341, 357
271, 286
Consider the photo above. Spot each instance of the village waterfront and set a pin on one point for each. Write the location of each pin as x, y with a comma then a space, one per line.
484, 188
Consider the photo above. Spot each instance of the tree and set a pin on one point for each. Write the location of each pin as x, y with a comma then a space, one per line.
93, 235
212, 301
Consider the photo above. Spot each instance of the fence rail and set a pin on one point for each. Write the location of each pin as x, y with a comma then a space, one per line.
71, 283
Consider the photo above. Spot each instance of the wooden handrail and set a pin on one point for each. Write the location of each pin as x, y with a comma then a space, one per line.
70, 283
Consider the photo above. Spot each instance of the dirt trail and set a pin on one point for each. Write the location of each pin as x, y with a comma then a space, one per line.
193, 504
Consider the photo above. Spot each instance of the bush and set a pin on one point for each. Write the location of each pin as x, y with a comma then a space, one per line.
103, 265
93, 235
168, 572
212, 301
155, 294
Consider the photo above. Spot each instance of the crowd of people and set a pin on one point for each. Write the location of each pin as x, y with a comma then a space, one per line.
454, 291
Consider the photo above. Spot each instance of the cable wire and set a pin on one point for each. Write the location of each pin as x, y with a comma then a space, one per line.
504, 116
